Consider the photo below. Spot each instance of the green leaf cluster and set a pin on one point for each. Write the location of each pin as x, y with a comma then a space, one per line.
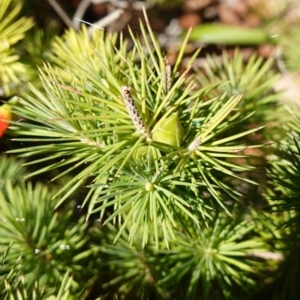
40, 245
254, 78
81, 125
12, 30
203, 263
283, 195
163, 179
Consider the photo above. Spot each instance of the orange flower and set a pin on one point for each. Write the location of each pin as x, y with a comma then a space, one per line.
5, 117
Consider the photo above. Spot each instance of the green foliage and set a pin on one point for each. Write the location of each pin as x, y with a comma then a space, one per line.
203, 264
283, 195
214, 257
157, 161
285, 172
81, 125
10, 170
38, 45
13, 284
254, 79
212, 33
12, 30
52, 244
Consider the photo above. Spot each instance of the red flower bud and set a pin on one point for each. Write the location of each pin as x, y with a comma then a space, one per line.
5, 117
